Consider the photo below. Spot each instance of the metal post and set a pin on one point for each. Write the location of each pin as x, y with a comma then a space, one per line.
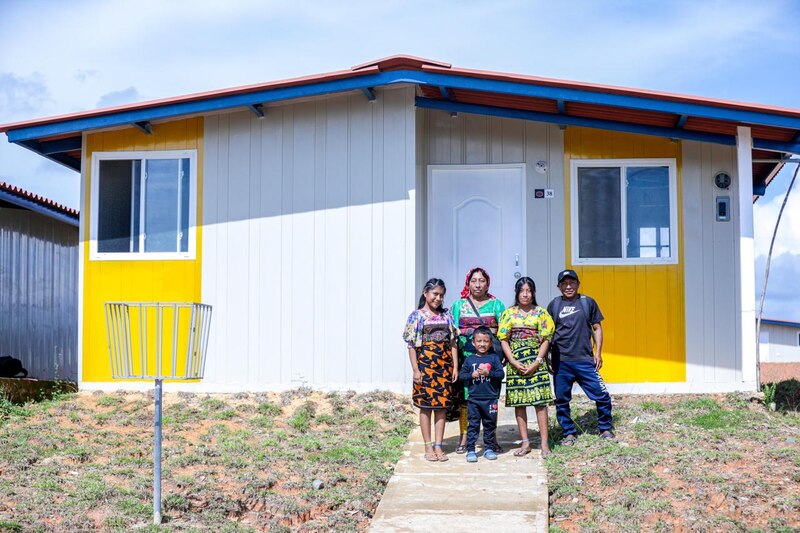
157, 457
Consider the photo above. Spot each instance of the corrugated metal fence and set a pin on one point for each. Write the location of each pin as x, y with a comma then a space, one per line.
39, 293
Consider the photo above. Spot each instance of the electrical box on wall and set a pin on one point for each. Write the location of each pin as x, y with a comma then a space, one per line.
723, 208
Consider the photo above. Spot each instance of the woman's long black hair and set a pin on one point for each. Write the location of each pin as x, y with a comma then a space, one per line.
521, 282
429, 286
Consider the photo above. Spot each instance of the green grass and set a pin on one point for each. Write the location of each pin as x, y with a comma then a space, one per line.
671, 456
110, 401
221, 457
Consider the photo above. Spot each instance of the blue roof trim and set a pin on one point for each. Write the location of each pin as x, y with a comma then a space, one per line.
60, 158
780, 323
777, 146
566, 120
369, 92
60, 146
436, 79
38, 208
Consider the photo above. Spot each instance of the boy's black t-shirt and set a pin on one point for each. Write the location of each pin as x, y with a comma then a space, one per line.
573, 337
482, 388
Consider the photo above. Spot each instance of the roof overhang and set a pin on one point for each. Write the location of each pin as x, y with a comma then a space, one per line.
10, 194
439, 86
775, 322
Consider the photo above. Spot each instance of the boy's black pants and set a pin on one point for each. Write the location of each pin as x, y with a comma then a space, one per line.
478, 411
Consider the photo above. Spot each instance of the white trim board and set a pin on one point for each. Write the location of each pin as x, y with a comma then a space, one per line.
232, 388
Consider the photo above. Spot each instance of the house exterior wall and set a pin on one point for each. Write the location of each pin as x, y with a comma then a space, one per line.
39, 293
783, 344
309, 243
713, 347
477, 140
126, 280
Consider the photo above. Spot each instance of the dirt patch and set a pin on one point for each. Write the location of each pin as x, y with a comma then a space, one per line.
777, 372
297, 461
680, 463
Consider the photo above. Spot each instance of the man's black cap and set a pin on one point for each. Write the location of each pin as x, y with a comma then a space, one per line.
567, 274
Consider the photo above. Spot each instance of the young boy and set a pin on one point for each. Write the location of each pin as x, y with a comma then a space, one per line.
482, 374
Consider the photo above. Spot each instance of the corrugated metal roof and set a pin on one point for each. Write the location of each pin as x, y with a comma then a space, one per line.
35, 202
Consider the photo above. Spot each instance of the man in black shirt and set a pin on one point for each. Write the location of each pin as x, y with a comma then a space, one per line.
575, 358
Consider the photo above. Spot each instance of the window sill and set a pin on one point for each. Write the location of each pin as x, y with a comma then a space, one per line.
141, 257
626, 262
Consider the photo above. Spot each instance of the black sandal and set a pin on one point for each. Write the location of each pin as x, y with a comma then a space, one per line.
462, 448
569, 440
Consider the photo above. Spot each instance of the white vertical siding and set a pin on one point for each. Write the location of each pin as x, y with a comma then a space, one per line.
711, 263
783, 345
309, 243
39, 293
476, 139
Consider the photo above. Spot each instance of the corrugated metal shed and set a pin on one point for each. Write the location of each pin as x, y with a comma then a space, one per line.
38, 284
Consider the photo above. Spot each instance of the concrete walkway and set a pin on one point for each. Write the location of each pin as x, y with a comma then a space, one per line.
509, 494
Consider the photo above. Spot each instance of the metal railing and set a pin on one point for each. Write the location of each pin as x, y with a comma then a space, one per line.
139, 333
182, 328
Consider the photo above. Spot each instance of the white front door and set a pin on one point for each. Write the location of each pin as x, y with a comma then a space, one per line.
476, 218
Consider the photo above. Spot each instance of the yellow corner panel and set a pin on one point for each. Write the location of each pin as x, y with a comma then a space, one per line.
643, 305
164, 281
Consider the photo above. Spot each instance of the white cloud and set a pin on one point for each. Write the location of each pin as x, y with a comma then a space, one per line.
765, 214
781, 302
21, 96
125, 96
83, 75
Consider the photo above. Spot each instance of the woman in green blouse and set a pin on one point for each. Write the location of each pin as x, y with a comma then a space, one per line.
475, 295
525, 332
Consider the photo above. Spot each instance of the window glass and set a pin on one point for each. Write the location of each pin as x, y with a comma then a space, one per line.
114, 213
136, 205
161, 205
599, 212
647, 202
184, 210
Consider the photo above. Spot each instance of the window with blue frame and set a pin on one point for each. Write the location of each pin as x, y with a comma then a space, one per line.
143, 205
624, 211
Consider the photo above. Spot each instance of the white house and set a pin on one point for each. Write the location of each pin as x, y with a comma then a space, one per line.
780, 341
309, 212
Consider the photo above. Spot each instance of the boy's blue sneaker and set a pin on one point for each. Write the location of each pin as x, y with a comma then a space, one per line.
472, 457
490, 455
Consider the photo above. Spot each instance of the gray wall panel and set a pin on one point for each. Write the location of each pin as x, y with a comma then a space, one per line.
39, 293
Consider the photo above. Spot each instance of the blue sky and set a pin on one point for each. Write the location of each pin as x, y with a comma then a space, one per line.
58, 57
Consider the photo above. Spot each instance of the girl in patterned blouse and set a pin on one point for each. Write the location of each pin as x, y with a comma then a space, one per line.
430, 334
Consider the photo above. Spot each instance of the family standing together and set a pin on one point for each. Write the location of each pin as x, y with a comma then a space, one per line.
458, 356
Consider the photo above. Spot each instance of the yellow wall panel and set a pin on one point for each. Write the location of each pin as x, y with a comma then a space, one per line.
104, 281
644, 331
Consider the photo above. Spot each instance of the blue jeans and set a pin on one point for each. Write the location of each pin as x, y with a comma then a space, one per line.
566, 373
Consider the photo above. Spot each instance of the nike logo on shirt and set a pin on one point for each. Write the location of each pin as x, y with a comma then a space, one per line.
566, 311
